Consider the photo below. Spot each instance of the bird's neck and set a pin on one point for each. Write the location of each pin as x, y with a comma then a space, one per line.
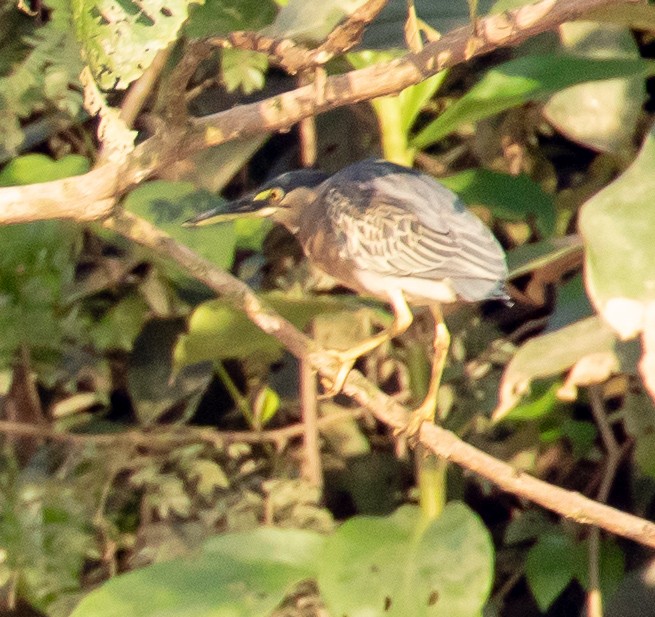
294, 207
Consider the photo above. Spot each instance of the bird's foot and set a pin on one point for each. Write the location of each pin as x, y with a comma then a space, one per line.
344, 361
424, 413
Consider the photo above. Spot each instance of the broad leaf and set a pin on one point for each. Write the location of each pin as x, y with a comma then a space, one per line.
121, 39
599, 115
399, 566
513, 198
236, 575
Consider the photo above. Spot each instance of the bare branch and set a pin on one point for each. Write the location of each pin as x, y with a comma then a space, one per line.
567, 503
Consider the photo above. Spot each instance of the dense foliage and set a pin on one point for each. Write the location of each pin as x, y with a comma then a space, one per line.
151, 460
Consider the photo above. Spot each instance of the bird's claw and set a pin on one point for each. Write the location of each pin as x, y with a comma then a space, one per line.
345, 364
424, 413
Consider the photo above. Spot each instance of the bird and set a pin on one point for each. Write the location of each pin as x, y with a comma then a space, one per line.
386, 231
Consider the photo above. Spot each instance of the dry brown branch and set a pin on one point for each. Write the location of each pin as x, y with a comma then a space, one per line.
294, 58
162, 437
570, 504
440, 441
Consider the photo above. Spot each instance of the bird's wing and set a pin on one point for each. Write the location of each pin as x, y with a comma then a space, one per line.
397, 230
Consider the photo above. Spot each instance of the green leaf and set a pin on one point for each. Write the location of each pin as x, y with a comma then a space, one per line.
644, 454
121, 40
618, 227
534, 256
235, 575
120, 325
243, 69
36, 266
155, 390
220, 17
611, 566
540, 402
581, 435
398, 565
599, 115
513, 198
40, 68
551, 354
310, 22
169, 204
33, 168
217, 331
396, 114
550, 567
522, 80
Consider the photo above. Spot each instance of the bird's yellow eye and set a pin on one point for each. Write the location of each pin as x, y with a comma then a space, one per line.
274, 195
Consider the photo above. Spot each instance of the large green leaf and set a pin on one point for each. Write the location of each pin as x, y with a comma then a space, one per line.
618, 227
33, 168
121, 39
526, 79
600, 115
398, 565
236, 575
169, 204
217, 331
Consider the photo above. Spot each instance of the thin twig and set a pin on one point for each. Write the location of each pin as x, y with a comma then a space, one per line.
594, 596
312, 469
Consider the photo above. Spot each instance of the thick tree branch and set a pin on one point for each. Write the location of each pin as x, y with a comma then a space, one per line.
567, 503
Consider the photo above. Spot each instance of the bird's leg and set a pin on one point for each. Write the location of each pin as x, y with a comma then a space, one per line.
426, 411
346, 358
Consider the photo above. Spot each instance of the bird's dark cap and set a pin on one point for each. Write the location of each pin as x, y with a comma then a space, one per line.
262, 202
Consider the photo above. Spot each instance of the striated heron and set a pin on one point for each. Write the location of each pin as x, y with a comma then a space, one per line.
386, 231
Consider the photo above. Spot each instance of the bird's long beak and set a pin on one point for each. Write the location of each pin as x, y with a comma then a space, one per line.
229, 211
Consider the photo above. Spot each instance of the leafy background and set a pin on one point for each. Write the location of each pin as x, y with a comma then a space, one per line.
147, 501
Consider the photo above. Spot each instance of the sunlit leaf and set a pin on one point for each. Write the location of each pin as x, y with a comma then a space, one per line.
552, 354
120, 40
618, 227
217, 331
398, 565
600, 115
33, 168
